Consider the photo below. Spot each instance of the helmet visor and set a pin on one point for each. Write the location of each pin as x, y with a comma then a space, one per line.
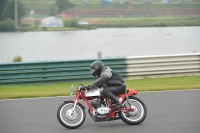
93, 70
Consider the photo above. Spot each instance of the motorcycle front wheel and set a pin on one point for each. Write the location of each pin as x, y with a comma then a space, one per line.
136, 116
69, 118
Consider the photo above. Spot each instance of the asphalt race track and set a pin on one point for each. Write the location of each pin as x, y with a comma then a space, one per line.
168, 112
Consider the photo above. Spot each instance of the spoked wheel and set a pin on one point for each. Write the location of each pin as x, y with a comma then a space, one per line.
136, 116
69, 118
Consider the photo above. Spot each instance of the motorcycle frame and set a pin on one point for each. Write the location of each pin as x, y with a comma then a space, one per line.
81, 95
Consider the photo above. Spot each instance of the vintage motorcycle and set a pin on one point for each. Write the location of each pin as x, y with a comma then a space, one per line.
71, 114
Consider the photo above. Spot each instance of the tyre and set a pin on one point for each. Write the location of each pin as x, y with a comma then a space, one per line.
136, 116
69, 118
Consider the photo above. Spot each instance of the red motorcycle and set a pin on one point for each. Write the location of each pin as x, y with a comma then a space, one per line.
71, 114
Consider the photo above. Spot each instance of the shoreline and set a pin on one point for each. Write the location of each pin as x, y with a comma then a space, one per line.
113, 22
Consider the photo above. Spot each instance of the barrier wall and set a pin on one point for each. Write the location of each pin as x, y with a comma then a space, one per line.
129, 68
54, 71
163, 66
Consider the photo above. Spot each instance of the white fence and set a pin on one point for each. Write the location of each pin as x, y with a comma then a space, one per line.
129, 68
163, 66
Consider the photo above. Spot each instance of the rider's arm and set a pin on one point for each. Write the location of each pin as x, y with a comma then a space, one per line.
105, 75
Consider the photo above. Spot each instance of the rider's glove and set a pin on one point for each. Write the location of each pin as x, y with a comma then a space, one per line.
88, 87
91, 86
82, 88
85, 87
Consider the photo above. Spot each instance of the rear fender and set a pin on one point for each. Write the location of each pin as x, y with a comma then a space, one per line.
131, 92
70, 101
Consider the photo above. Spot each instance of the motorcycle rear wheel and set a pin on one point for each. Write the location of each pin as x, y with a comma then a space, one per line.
69, 118
134, 117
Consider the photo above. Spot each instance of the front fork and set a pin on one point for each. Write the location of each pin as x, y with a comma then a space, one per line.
78, 96
75, 101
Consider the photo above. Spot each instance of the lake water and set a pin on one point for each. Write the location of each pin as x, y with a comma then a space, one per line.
111, 42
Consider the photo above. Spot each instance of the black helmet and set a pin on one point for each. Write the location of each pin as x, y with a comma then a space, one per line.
96, 67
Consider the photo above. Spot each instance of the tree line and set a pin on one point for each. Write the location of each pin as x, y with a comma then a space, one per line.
7, 12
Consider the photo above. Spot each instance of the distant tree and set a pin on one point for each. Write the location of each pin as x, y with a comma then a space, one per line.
2, 5
52, 10
63, 5
8, 11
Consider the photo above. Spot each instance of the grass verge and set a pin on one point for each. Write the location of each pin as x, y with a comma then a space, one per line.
116, 22
145, 22
62, 89
40, 6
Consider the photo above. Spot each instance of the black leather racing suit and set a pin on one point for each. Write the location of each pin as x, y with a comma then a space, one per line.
112, 83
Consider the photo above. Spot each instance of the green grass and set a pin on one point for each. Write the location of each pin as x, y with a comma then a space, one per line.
46, 6
99, 1
158, 84
62, 89
146, 22
133, 6
121, 22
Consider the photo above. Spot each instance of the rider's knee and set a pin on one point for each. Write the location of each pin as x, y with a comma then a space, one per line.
105, 92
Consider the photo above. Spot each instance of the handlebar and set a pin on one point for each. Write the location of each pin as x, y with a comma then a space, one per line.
81, 87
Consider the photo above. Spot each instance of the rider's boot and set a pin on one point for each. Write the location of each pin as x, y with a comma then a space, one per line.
114, 99
117, 106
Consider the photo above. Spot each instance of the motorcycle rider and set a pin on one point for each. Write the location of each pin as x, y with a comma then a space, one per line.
112, 83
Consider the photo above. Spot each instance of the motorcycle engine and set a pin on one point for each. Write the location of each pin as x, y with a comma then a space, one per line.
99, 111
96, 103
103, 110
